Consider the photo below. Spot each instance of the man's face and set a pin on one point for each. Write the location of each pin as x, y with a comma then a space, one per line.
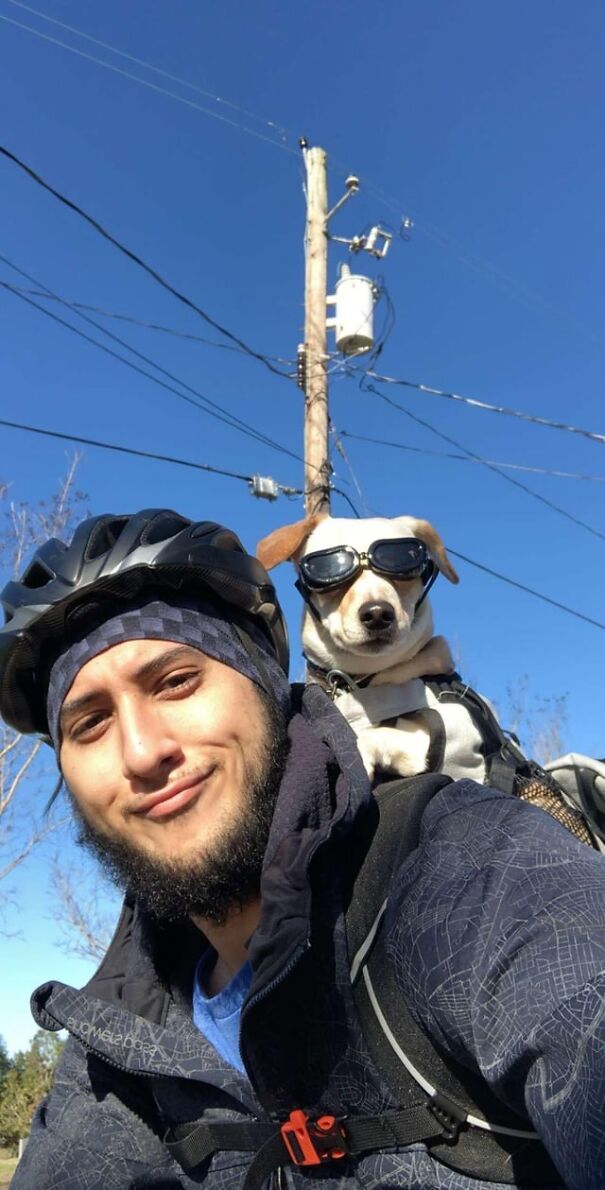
170, 759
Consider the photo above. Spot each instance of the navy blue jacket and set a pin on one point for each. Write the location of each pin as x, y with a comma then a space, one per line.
496, 929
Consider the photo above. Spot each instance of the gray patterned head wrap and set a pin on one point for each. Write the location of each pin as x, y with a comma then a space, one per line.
195, 622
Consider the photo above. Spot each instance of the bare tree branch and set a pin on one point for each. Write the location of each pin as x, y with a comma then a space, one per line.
6, 799
12, 743
22, 827
42, 833
540, 721
87, 930
61, 512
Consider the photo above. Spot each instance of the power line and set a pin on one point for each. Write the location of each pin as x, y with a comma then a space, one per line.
503, 280
511, 582
149, 376
490, 466
474, 403
508, 284
201, 401
339, 446
528, 590
81, 440
346, 497
445, 454
151, 326
141, 454
156, 69
181, 297
146, 82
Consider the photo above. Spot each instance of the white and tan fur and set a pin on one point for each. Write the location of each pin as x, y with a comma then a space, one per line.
339, 639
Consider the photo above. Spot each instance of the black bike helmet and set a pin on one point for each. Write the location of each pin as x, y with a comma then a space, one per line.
109, 561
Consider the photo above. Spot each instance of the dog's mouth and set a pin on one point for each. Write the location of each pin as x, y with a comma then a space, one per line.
376, 643
373, 643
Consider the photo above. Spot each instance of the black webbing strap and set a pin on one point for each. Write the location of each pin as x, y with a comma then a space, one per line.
192, 1144
503, 758
366, 1134
502, 773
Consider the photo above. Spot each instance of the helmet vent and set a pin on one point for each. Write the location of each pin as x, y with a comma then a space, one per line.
36, 575
162, 527
104, 537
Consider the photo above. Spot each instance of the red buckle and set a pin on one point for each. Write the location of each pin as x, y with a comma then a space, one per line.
310, 1142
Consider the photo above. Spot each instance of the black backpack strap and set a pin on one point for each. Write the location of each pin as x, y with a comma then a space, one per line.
503, 757
506, 766
304, 1141
401, 804
490, 1142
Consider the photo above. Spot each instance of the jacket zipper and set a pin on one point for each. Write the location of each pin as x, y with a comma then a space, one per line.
256, 1000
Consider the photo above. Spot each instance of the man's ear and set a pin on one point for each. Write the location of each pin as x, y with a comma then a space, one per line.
424, 530
286, 542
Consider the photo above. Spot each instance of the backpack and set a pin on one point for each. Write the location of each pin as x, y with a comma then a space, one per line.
482, 1138
571, 789
440, 1102
581, 780
467, 741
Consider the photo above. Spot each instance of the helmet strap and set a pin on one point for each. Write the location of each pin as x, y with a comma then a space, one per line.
58, 787
256, 657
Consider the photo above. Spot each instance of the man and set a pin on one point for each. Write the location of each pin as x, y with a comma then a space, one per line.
220, 1041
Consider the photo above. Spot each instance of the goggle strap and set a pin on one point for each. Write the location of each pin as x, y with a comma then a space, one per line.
434, 574
304, 592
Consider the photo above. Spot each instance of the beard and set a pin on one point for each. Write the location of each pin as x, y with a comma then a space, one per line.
225, 876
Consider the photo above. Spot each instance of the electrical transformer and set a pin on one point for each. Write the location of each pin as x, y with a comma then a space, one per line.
354, 322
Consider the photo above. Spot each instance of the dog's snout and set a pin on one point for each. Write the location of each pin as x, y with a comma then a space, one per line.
377, 616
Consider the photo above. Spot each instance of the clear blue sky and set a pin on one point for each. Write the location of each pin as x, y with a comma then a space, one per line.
483, 123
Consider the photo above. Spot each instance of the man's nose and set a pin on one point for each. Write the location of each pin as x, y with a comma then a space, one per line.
147, 743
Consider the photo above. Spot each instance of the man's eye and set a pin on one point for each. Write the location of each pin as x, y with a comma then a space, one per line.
86, 728
180, 681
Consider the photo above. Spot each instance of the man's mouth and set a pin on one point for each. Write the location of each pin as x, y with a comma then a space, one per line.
174, 798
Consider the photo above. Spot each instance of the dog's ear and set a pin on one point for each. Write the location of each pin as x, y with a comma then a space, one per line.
424, 530
286, 542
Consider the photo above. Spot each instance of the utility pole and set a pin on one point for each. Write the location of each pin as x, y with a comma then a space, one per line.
354, 301
317, 463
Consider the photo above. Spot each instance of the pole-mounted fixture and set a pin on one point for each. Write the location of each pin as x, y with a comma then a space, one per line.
354, 300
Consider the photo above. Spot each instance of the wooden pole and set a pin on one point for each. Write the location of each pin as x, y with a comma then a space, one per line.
317, 464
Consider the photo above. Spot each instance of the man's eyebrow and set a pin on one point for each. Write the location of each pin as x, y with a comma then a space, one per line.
145, 671
77, 704
150, 668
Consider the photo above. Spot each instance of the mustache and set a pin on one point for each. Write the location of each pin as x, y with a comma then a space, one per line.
170, 785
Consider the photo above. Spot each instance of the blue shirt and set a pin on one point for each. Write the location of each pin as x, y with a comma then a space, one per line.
218, 1017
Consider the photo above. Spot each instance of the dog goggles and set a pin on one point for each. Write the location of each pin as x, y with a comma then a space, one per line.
403, 558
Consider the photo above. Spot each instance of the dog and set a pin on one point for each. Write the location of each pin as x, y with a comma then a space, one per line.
367, 628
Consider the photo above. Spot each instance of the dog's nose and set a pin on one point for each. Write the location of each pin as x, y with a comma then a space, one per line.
377, 616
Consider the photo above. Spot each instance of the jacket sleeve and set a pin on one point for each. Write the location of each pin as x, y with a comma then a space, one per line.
94, 1132
565, 1085
498, 943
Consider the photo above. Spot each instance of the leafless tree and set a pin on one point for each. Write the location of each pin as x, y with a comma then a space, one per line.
540, 721
85, 908
23, 773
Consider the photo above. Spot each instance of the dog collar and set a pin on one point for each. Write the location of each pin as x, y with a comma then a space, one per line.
333, 680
